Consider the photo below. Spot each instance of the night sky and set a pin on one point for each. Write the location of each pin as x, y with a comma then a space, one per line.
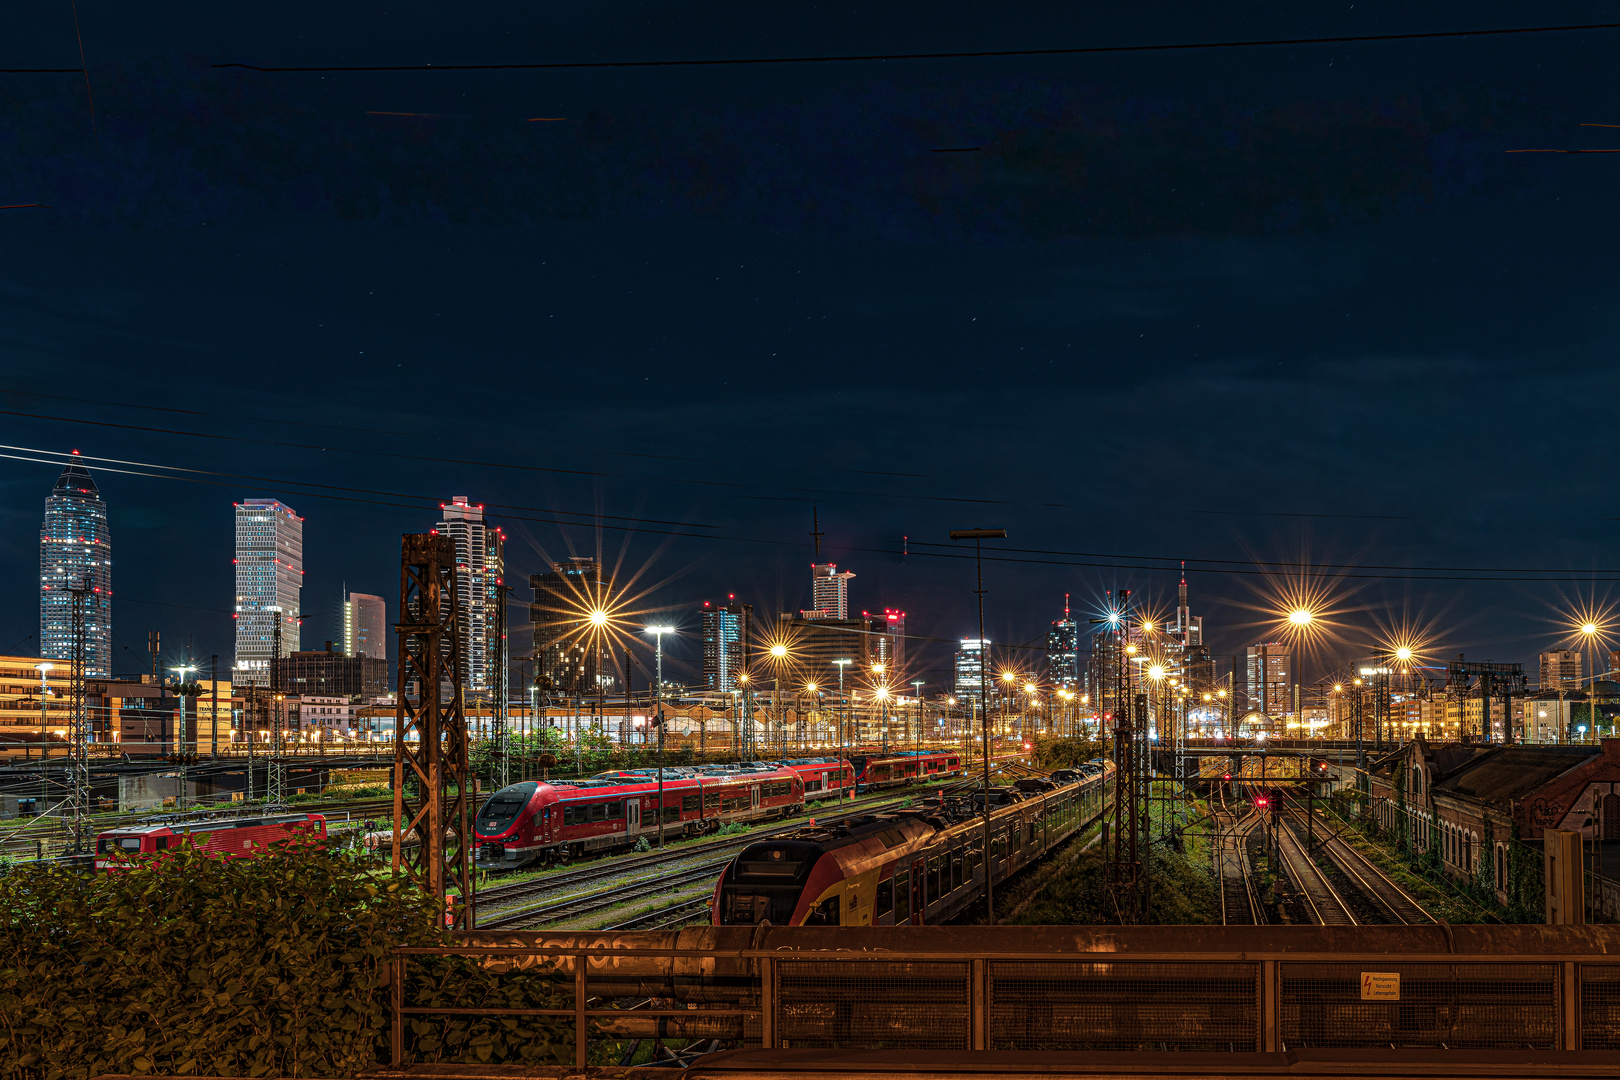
1283, 303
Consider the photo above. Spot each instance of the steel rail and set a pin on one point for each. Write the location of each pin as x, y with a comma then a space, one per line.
1313, 885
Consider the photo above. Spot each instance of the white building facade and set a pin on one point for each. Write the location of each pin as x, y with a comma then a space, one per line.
269, 584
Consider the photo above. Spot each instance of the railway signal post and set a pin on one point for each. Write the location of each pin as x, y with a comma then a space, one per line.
430, 729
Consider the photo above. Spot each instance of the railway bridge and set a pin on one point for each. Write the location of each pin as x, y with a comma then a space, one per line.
781, 1002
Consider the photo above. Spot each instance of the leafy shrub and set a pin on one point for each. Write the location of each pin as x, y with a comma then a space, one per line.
641, 844
731, 828
271, 966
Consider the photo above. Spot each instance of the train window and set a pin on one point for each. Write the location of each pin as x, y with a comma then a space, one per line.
883, 903
163, 843
976, 853
902, 896
812, 785
599, 812
825, 913
956, 869
689, 804
615, 810
672, 813
711, 800
934, 891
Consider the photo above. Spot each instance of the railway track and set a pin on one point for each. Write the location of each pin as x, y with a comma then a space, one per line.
1240, 906
1376, 887
607, 899
1316, 892
669, 918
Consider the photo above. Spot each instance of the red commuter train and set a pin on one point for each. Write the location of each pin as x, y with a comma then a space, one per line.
231, 838
875, 769
894, 868
534, 820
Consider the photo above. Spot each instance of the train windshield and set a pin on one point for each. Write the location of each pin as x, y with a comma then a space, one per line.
764, 883
504, 806
118, 843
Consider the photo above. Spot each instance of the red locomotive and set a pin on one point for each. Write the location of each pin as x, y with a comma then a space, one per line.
231, 838
524, 822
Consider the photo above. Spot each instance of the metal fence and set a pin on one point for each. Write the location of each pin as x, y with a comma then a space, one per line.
1151, 989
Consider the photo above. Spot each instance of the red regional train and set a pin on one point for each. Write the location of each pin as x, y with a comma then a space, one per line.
875, 769
534, 820
231, 838
904, 867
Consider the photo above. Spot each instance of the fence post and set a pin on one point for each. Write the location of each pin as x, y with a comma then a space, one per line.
981, 999
767, 1003
396, 1011
1270, 1006
579, 1011
1572, 1005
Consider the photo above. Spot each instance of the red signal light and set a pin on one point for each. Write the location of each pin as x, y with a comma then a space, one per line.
1228, 776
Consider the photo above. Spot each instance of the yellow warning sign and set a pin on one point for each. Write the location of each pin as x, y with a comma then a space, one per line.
1380, 986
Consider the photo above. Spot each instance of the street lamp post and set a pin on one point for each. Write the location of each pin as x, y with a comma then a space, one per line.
978, 536
917, 685
843, 719
658, 633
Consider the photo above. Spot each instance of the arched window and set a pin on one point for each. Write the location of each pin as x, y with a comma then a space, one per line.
1468, 852
1501, 866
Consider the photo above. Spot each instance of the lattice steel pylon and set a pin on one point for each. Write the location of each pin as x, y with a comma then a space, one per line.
78, 806
430, 729
1126, 861
275, 773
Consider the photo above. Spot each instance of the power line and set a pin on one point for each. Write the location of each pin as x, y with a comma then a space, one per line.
977, 54
1270, 562
1105, 561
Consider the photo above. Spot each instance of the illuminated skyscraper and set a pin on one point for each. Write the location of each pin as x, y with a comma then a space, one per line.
480, 570
1271, 677
970, 669
74, 544
726, 630
269, 584
563, 658
1063, 650
830, 591
365, 626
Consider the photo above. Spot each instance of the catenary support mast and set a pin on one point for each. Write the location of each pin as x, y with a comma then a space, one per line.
431, 779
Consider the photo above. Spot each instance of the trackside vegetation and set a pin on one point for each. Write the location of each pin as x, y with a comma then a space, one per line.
272, 966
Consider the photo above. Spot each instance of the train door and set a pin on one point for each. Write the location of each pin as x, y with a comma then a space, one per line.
919, 894
632, 815
753, 798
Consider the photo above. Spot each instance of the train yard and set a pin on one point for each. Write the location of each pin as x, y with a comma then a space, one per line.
660, 890
1276, 865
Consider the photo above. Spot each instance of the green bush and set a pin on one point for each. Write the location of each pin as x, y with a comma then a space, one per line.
270, 966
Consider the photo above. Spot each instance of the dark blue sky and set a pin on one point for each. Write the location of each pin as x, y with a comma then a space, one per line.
1278, 302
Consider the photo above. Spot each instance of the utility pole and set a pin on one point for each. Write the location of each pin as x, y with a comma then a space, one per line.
276, 774
250, 716
81, 599
978, 536
430, 732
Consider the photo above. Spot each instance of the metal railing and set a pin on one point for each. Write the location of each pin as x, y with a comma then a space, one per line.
1150, 989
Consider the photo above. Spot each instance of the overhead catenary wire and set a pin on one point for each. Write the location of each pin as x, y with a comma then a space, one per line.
1147, 564
961, 54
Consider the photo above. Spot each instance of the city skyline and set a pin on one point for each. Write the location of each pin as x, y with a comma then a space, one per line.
688, 662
